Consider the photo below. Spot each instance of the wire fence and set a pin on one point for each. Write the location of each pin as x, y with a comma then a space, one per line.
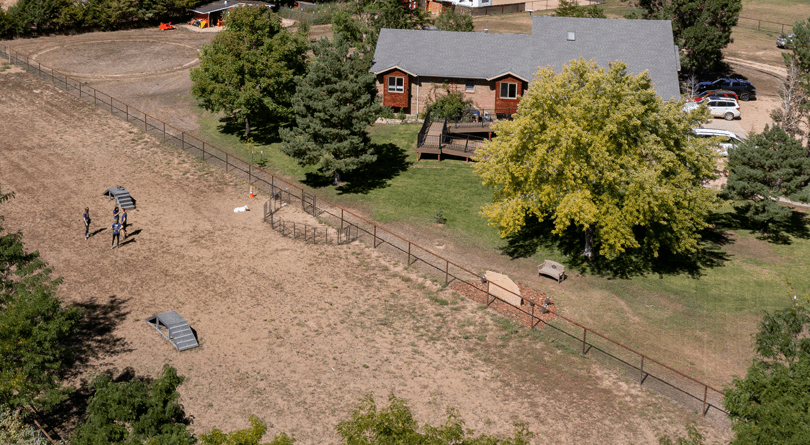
763, 25
650, 373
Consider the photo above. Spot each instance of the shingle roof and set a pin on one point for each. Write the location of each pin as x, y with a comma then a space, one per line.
641, 44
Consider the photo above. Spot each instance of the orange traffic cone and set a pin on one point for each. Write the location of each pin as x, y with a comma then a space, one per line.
251, 191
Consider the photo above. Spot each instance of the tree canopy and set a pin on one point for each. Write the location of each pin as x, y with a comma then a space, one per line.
333, 103
768, 166
598, 150
570, 8
395, 424
33, 327
771, 404
135, 412
249, 69
450, 21
248, 436
701, 28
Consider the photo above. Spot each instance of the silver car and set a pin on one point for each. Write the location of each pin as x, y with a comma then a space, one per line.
782, 40
724, 107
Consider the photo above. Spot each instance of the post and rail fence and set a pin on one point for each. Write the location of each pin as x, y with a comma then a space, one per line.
651, 373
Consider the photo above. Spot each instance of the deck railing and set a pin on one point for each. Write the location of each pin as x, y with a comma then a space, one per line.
480, 118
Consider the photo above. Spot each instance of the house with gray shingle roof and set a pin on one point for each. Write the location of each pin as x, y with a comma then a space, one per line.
495, 69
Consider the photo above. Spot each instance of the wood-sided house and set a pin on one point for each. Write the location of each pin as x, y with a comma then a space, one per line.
495, 69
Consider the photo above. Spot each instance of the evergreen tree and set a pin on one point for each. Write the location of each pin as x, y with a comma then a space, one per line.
771, 404
570, 8
135, 412
33, 328
597, 150
766, 167
702, 29
249, 68
450, 21
333, 104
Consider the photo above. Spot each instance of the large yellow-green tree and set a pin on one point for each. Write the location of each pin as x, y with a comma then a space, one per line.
597, 149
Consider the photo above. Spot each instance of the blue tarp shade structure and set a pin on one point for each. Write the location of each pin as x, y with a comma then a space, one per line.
174, 328
121, 196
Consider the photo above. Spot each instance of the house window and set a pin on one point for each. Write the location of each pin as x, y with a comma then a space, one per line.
508, 90
396, 84
470, 86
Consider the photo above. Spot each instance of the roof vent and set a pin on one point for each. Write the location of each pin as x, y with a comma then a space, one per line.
486, 30
572, 36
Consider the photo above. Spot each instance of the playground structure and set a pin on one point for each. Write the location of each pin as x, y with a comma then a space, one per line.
174, 328
121, 196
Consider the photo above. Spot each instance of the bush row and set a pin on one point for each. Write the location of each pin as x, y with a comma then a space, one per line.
37, 17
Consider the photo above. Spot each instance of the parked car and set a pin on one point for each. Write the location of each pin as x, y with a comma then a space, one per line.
744, 89
729, 142
715, 94
782, 40
723, 107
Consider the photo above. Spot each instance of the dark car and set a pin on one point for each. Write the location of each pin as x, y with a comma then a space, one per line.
744, 89
716, 93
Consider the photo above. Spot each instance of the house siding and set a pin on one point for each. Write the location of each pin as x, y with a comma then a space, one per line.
395, 100
501, 104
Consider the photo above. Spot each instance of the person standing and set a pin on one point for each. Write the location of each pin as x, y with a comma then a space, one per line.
124, 222
116, 228
86, 217
115, 214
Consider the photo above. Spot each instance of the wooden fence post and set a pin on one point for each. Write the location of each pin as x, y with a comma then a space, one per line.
164, 136
203, 150
641, 372
705, 392
409, 253
226, 165
446, 273
375, 236
584, 335
94, 96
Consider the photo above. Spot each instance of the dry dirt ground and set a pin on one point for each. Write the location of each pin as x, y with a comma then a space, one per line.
289, 331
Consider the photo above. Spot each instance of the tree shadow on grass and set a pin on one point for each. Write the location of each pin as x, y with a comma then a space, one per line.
797, 225
262, 132
391, 161
634, 262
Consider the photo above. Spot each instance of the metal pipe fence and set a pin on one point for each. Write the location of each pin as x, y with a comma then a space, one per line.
651, 373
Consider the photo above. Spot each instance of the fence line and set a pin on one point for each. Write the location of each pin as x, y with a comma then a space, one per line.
657, 375
746, 22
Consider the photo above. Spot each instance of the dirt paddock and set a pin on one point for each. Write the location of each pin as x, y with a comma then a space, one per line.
291, 332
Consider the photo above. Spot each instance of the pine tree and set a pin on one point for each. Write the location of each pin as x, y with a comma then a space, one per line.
450, 21
333, 105
765, 168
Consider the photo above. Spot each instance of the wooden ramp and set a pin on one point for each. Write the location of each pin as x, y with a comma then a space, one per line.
121, 196
174, 328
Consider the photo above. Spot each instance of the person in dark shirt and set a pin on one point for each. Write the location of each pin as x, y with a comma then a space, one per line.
116, 213
116, 228
124, 222
86, 217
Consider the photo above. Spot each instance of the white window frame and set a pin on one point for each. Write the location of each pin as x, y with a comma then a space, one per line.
508, 86
398, 84
470, 86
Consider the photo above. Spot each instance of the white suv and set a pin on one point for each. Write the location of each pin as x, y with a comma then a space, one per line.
725, 107
729, 142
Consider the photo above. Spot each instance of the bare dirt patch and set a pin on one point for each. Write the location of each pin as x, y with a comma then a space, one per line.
291, 332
